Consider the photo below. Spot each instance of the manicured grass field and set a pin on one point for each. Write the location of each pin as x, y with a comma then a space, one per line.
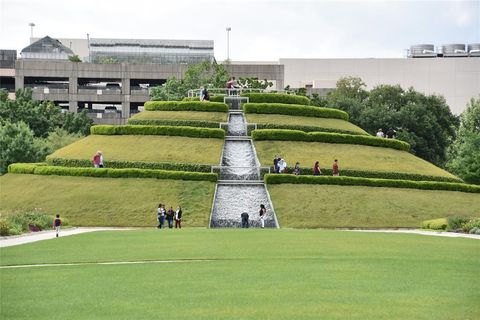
303, 121
146, 148
182, 115
316, 206
350, 156
250, 274
106, 201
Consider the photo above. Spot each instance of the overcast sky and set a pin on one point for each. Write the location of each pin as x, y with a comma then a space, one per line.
261, 30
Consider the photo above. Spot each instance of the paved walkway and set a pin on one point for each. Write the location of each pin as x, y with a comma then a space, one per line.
424, 233
49, 234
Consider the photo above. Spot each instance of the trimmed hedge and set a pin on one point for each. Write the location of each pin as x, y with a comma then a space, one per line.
216, 98
276, 98
192, 167
186, 106
301, 128
158, 130
369, 182
326, 137
377, 174
121, 173
26, 168
294, 110
435, 224
182, 123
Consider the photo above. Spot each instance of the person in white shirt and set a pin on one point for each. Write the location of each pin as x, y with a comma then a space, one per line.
380, 133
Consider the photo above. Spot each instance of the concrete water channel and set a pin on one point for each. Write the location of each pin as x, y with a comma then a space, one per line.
240, 187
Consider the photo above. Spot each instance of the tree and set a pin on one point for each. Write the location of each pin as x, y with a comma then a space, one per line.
254, 83
78, 123
464, 153
74, 58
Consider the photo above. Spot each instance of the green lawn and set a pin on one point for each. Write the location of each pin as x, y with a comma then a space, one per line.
303, 121
182, 115
106, 201
253, 274
145, 148
355, 157
316, 206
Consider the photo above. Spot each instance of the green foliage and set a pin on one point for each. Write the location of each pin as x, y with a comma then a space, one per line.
369, 182
77, 123
464, 154
55, 140
184, 123
158, 130
318, 101
327, 137
20, 223
254, 83
203, 74
106, 60
301, 128
455, 223
435, 224
215, 98
276, 98
294, 110
117, 164
186, 106
74, 58
113, 173
472, 226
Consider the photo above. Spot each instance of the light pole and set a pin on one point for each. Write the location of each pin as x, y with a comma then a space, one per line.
31, 24
228, 43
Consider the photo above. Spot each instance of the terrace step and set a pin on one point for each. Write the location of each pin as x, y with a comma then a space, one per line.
241, 182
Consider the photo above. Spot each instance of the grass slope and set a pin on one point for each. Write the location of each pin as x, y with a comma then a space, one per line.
145, 148
106, 201
253, 274
302, 121
355, 157
314, 206
181, 115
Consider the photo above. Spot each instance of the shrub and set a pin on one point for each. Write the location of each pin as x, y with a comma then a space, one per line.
294, 110
117, 164
326, 137
186, 106
435, 224
471, 225
216, 98
475, 230
455, 223
356, 181
378, 174
182, 123
4, 227
26, 168
158, 130
301, 128
19, 223
276, 98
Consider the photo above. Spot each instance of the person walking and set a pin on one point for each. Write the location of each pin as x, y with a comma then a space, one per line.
101, 165
160, 216
178, 218
380, 133
296, 170
275, 163
262, 214
335, 171
57, 223
170, 214
316, 169
96, 160
244, 217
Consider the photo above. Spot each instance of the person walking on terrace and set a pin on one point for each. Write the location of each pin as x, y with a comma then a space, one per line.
57, 223
275, 163
178, 218
335, 170
101, 165
380, 133
262, 214
316, 169
96, 160
170, 214
160, 216
244, 217
296, 170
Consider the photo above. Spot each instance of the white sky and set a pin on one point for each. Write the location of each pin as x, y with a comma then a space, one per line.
261, 30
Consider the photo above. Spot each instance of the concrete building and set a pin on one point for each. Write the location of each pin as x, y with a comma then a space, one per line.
47, 49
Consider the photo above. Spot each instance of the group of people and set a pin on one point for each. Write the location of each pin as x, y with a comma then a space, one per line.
98, 160
262, 213
280, 166
390, 134
170, 215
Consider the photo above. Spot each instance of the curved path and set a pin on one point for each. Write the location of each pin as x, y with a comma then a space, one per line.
423, 232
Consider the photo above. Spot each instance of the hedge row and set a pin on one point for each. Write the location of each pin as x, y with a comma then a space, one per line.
216, 98
378, 174
294, 110
113, 173
276, 98
183, 123
326, 137
158, 130
186, 106
356, 181
193, 167
301, 128
26, 168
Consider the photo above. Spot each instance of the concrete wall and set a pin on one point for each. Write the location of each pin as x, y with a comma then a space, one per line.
457, 79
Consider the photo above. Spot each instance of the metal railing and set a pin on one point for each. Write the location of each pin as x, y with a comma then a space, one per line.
235, 91
238, 173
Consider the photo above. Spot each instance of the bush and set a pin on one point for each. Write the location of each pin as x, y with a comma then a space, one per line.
356, 181
4, 227
26, 168
117, 164
475, 230
216, 98
473, 224
182, 123
435, 224
158, 130
377, 174
294, 110
19, 223
186, 106
326, 137
301, 128
276, 98
455, 223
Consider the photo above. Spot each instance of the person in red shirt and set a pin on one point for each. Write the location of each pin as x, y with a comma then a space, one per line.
316, 169
335, 168
96, 160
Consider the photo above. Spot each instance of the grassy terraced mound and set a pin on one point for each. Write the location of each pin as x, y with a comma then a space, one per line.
354, 157
145, 148
181, 115
86, 201
292, 122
